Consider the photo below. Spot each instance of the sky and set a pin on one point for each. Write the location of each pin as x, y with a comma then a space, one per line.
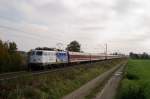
122, 24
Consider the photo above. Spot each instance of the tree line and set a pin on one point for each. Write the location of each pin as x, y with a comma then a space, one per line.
144, 55
10, 58
13, 60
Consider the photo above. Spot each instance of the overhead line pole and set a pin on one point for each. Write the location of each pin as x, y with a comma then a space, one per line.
106, 52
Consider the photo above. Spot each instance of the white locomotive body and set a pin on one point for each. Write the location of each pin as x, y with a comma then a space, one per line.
40, 57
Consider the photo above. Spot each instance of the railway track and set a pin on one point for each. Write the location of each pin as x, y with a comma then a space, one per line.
15, 75
9, 75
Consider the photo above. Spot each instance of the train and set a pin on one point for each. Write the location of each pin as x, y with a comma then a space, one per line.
47, 58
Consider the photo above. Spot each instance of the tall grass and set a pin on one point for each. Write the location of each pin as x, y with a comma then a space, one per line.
136, 83
56, 84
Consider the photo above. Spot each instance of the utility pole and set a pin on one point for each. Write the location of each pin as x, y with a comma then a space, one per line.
106, 52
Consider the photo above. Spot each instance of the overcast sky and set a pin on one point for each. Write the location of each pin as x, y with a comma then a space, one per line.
123, 24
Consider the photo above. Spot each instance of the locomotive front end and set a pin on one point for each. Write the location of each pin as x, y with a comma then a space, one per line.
35, 59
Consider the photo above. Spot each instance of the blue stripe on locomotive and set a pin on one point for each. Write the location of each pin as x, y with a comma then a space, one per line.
62, 57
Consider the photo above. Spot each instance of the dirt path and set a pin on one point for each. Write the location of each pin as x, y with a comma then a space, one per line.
87, 88
110, 89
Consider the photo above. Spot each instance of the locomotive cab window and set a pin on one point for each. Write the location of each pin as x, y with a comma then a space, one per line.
32, 53
39, 53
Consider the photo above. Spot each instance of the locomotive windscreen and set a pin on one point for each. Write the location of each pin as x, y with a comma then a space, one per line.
39, 53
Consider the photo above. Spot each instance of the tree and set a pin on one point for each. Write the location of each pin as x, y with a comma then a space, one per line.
134, 55
45, 48
139, 56
10, 59
12, 47
145, 55
74, 46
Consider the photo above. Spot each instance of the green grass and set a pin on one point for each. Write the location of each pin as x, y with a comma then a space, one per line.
136, 82
53, 85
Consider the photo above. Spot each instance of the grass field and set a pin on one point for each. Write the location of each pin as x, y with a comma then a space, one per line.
53, 85
136, 83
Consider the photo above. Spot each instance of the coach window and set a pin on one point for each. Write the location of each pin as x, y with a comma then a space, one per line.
33, 53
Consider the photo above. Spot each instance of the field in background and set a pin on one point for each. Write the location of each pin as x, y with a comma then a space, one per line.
56, 84
136, 83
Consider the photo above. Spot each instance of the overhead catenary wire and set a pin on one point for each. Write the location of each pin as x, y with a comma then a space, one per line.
31, 35
25, 32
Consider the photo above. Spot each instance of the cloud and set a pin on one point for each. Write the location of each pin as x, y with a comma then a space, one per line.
124, 24
36, 28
